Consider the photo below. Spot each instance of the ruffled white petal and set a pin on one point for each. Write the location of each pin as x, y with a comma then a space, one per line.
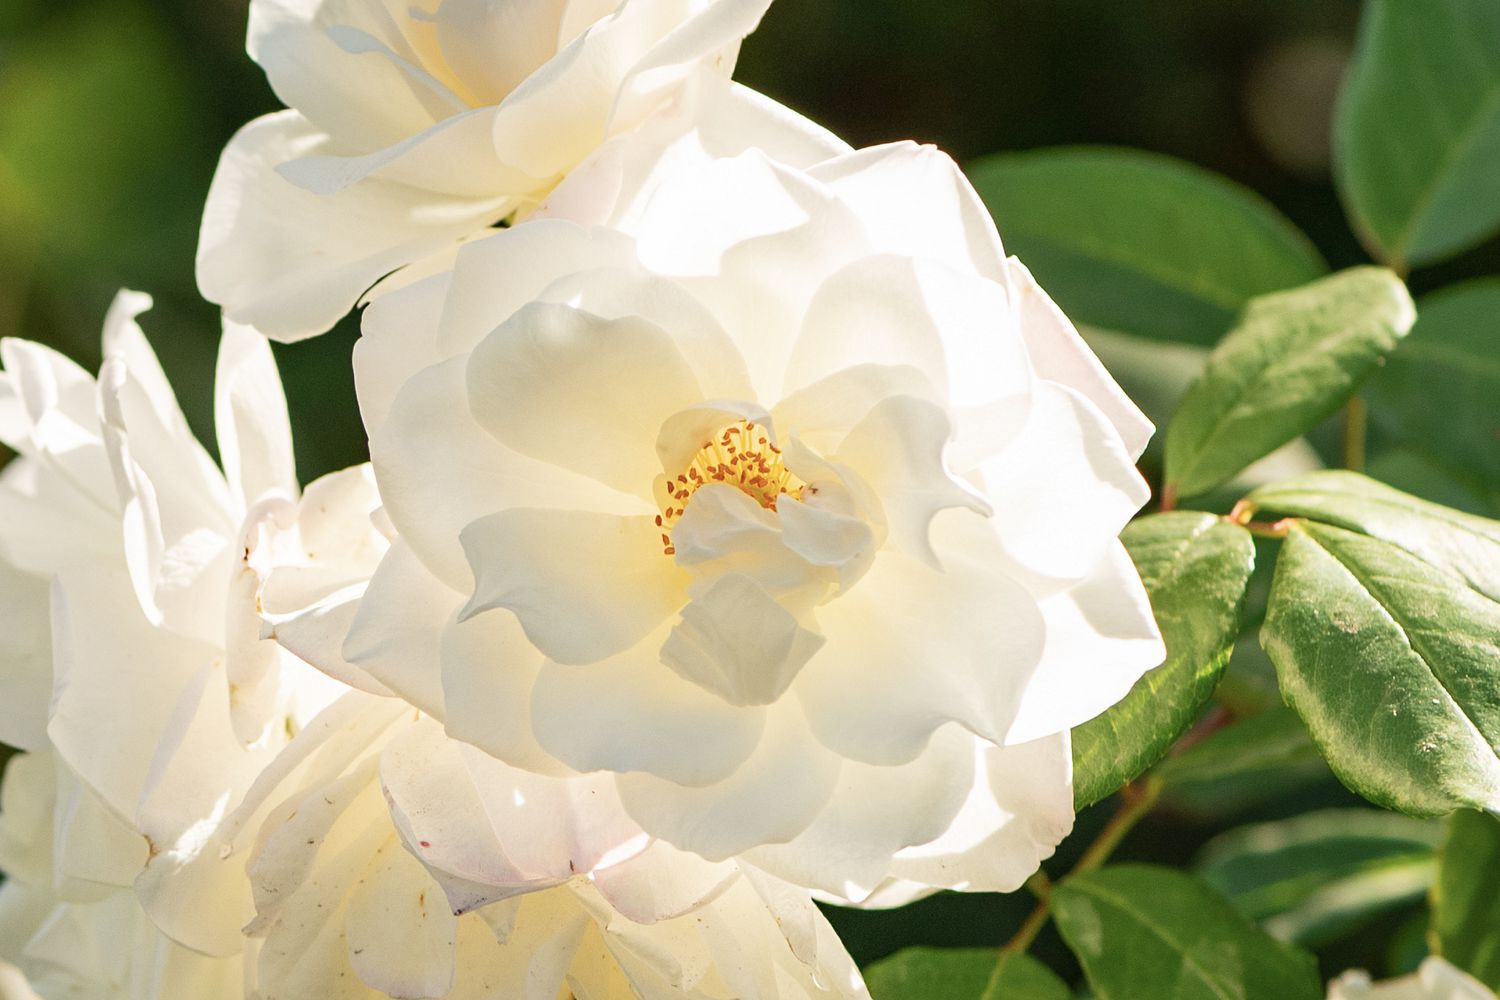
584, 586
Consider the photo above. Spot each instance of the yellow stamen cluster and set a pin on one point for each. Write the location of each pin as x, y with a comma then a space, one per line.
741, 456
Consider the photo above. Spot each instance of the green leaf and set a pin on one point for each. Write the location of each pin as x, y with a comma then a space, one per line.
962, 974
1455, 345
1463, 545
1418, 130
1255, 759
1293, 360
1142, 931
1466, 901
1195, 567
1313, 878
1142, 243
1384, 626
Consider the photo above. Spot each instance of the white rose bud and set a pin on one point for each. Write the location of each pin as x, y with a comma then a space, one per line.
788, 502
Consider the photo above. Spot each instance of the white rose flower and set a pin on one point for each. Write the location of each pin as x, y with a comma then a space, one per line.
1435, 979
415, 124
189, 781
527, 886
790, 503
154, 704
61, 918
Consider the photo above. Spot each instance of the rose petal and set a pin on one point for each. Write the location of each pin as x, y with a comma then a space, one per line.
1060, 355
289, 262
584, 586
1101, 637
1064, 487
397, 629
898, 450
631, 713
911, 648
581, 392
770, 799
872, 813
1019, 810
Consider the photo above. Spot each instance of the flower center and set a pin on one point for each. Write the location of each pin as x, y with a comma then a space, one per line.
741, 456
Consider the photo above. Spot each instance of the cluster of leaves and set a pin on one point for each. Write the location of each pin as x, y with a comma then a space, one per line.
1382, 616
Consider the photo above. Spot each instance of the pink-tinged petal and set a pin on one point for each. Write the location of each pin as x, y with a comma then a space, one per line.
584, 586
250, 416
439, 471
897, 449
581, 392
1064, 487
1060, 355
872, 813
770, 799
439, 812
290, 262
402, 937
737, 642
1019, 810
911, 648
397, 631
938, 216
489, 668
1101, 637
662, 883
631, 713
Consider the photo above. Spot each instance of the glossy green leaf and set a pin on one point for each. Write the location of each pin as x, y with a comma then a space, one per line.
1466, 902
1263, 757
1454, 350
1418, 129
1142, 931
1195, 567
1384, 627
1463, 545
1317, 876
1142, 243
1294, 359
962, 974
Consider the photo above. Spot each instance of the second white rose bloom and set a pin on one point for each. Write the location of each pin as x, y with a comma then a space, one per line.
784, 497
414, 125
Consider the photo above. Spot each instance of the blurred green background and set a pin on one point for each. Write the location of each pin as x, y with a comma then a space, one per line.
113, 112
